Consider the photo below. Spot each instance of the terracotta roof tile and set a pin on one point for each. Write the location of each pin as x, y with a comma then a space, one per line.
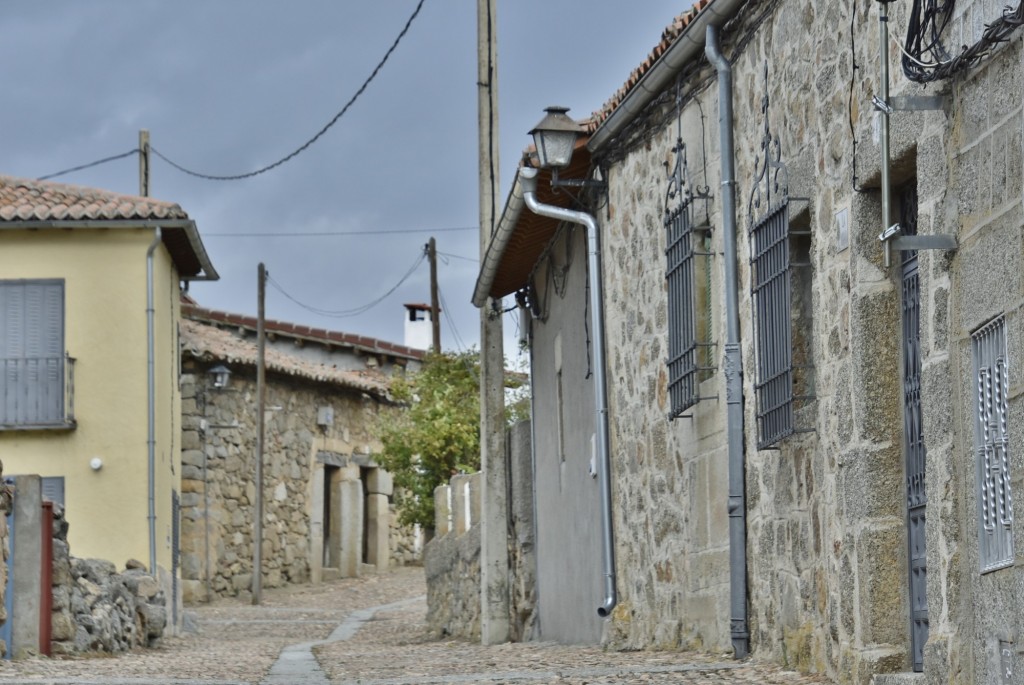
27, 200
371, 345
210, 343
668, 36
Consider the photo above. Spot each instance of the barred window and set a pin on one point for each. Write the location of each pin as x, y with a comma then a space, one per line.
779, 258
991, 441
688, 279
689, 309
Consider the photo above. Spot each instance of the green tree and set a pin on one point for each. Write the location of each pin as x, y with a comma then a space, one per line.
438, 434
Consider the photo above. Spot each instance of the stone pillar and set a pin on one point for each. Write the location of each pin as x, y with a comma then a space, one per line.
350, 494
379, 485
474, 497
460, 504
378, 515
316, 535
27, 537
442, 510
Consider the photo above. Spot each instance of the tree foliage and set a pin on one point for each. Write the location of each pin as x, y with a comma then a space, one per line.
438, 434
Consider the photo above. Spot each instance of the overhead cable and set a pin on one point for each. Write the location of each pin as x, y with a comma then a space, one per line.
355, 311
321, 132
317, 234
112, 158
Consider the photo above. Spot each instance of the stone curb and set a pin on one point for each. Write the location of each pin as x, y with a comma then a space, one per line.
527, 676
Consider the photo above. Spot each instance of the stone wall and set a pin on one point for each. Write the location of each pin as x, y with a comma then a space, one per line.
97, 609
452, 558
308, 462
827, 541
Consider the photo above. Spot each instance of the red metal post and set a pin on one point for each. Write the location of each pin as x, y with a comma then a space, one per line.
46, 575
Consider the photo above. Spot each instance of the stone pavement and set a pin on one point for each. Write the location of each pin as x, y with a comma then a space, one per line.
369, 631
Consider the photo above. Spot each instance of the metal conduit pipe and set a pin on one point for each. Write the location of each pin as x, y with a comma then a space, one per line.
733, 358
151, 399
528, 178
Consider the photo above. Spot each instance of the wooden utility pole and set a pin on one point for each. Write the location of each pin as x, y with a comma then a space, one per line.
435, 307
494, 570
261, 401
143, 162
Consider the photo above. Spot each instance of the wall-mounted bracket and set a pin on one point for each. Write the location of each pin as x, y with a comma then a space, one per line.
893, 239
919, 103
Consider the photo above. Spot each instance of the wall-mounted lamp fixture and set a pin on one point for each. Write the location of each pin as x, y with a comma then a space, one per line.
555, 137
221, 374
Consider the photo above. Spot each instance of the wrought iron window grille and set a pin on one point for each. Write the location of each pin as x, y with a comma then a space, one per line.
688, 278
991, 443
779, 252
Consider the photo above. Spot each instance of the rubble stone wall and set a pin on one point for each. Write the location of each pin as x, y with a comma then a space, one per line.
97, 609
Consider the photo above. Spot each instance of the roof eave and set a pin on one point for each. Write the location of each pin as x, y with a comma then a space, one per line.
188, 226
689, 44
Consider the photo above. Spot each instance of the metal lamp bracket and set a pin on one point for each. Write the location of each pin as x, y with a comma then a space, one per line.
911, 103
893, 238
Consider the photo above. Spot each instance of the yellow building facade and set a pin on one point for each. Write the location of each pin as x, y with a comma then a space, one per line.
81, 275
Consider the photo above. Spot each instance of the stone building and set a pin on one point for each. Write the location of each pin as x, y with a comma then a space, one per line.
821, 473
327, 505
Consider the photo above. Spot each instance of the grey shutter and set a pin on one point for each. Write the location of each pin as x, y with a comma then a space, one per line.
53, 489
32, 352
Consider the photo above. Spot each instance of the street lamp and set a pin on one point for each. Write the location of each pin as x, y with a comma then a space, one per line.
555, 137
220, 374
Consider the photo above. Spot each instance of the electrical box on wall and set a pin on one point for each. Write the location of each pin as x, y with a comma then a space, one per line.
325, 416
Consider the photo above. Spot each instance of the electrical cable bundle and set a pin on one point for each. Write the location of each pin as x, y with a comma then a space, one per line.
925, 58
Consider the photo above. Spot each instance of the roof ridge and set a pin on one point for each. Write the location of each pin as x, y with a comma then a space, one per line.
204, 314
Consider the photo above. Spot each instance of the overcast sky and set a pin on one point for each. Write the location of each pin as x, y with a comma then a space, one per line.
227, 86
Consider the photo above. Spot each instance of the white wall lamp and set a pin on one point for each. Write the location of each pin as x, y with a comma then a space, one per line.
555, 138
221, 375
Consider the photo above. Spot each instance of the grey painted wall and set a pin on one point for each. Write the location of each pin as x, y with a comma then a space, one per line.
569, 575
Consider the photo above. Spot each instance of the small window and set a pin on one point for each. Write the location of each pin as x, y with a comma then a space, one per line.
991, 443
36, 380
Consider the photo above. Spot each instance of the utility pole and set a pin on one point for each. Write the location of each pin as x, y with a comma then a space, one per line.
435, 308
494, 570
143, 162
261, 401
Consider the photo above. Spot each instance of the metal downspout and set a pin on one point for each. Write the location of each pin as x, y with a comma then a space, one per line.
151, 400
733, 359
528, 177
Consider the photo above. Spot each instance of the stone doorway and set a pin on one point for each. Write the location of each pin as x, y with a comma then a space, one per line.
351, 517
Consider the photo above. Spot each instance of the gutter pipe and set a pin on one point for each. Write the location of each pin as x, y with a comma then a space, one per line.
151, 399
733, 359
683, 50
528, 180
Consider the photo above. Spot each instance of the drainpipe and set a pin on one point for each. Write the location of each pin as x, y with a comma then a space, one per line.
733, 359
529, 183
151, 400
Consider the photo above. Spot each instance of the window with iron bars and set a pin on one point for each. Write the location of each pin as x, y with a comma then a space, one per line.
781, 293
991, 443
688, 281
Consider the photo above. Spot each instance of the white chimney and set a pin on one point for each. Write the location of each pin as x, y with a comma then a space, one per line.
419, 330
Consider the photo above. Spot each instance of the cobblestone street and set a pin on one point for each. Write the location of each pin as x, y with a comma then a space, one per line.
368, 631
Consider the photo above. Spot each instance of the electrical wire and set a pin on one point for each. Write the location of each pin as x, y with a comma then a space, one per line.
456, 256
925, 58
460, 345
321, 132
355, 311
112, 158
319, 234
